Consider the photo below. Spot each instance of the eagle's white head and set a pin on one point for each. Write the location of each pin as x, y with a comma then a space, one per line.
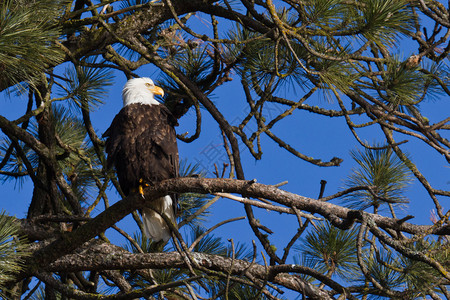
141, 90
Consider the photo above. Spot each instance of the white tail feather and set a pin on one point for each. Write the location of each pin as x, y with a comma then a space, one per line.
155, 227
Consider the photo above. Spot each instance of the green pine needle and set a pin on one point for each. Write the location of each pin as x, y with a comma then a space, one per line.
383, 21
330, 250
13, 251
27, 32
88, 86
384, 171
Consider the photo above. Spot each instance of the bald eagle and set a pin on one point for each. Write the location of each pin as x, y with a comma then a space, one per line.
141, 144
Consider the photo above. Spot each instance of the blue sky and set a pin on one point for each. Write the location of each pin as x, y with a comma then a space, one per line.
317, 136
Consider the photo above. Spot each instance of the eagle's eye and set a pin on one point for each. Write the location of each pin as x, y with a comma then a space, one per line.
148, 84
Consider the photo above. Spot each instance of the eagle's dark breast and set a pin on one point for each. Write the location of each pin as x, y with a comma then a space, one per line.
142, 144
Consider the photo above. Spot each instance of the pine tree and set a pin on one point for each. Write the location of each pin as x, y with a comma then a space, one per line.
376, 63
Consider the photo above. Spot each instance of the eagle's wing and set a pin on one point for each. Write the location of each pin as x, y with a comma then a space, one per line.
142, 144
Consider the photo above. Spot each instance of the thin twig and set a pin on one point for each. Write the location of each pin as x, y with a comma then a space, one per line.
211, 229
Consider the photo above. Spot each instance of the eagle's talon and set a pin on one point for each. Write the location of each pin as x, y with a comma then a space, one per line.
141, 187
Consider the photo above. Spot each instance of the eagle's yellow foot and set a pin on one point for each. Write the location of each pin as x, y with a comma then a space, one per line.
142, 185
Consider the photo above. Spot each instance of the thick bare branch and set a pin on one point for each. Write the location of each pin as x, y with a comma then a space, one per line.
97, 259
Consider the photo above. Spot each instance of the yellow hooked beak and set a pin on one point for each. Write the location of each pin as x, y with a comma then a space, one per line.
156, 90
